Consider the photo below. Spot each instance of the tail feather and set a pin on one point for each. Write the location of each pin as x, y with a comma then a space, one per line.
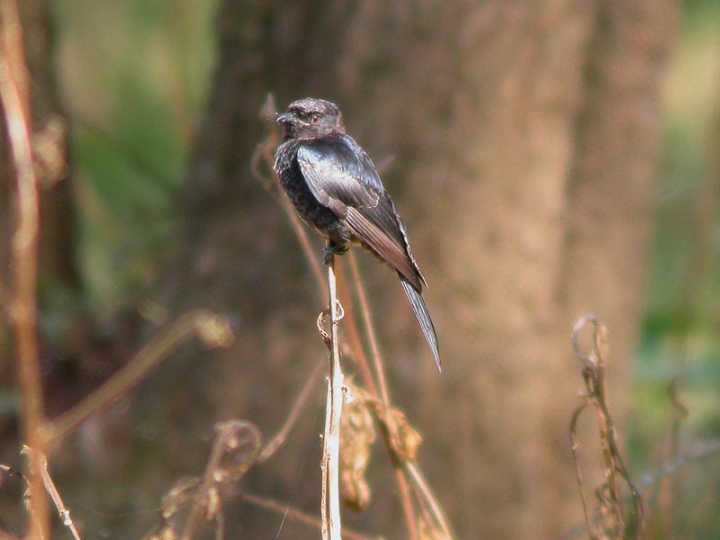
423, 316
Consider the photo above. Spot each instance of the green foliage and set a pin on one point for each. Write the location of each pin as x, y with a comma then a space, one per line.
133, 97
680, 339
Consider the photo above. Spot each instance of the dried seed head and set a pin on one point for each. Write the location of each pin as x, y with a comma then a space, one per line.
357, 435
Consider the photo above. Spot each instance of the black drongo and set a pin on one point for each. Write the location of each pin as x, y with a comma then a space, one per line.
335, 187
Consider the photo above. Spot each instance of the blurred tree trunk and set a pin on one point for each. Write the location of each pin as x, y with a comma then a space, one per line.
50, 139
525, 138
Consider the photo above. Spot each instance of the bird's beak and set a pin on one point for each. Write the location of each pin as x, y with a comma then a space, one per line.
284, 118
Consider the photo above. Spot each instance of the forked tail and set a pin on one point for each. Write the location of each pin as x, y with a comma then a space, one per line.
423, 316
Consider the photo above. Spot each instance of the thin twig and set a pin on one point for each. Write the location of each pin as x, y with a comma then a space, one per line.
436, 509
279, 439
370, 328
63, 512
264, 156
574, 446
212, 328
296, 515
352, 333
15, 98
670, 494
330, 494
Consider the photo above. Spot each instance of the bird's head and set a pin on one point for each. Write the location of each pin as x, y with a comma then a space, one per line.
311, 118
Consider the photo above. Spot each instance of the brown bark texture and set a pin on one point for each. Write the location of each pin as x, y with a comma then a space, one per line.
524, 138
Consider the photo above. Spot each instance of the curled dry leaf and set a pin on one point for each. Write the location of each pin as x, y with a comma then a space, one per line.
357, 435
405, 440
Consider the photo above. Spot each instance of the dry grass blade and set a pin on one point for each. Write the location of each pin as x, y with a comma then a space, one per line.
610, 503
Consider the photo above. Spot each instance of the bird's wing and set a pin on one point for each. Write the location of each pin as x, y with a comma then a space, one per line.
342, 177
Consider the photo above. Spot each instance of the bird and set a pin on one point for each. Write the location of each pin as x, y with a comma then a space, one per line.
335, 188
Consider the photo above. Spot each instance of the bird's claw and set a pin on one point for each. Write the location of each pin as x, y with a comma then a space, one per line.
331, 250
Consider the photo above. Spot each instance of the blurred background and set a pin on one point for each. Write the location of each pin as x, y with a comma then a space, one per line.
550, 158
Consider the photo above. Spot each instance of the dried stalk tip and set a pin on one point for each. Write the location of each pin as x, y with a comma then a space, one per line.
215, 331
357, 435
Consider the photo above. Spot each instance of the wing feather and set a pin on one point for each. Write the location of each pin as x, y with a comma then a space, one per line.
343, 178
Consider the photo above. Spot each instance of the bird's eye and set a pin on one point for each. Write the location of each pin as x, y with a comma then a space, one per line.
314, 117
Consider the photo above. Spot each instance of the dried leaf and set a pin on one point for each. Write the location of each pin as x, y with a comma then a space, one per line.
357, 435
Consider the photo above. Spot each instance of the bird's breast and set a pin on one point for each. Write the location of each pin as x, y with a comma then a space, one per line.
297, 190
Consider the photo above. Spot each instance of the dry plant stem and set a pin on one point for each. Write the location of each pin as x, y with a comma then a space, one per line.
14, 95
296, 515
436, 510
680, 413
42, 467
279, 439
574, 446
593, 374
352, 333
370, 327
146, 359
403, 488
330, 499
208, 481
701, 451
264, 152
405, 496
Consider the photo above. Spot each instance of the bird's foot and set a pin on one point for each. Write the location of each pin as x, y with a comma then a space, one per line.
333, 249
